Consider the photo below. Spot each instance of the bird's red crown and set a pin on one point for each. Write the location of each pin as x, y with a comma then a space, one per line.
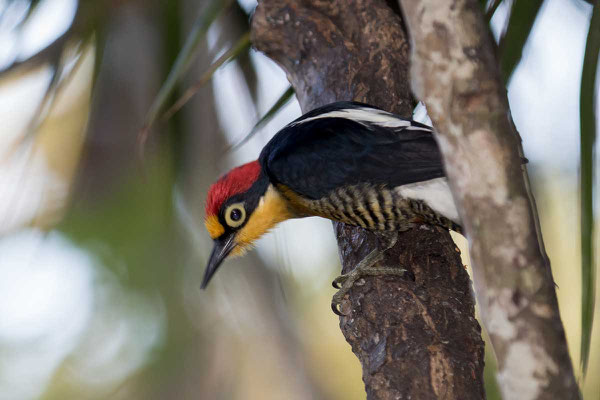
236, 181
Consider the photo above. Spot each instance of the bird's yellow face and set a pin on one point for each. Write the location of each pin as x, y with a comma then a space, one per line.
240, 222
272, 209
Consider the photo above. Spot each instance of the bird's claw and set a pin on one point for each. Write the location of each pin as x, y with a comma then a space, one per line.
337, 281
343, 283
335, 308
364, 268
349, 279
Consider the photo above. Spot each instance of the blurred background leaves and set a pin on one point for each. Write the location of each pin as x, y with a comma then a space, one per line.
101, 252
588, 122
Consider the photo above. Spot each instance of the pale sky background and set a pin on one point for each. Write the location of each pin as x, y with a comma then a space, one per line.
51, 291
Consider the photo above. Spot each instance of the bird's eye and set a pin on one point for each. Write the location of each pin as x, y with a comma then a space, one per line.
235, 215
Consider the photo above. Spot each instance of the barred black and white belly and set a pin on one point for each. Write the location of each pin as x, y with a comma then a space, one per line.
381, 208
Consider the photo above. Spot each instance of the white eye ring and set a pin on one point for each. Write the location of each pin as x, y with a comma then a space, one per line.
235, 215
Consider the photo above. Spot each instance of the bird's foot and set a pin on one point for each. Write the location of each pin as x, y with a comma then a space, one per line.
345, 282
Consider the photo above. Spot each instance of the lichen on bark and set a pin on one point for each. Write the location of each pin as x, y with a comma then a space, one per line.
455, 72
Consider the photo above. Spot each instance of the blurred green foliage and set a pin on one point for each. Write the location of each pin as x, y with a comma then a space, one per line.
588, 122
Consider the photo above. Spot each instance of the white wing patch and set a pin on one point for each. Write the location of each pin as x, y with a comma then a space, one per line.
436, 193
371, 115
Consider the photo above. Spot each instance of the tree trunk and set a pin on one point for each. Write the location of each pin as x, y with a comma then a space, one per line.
456, 74
416, 335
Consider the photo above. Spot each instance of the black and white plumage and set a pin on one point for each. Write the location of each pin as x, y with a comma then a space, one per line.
346, 161
347, 145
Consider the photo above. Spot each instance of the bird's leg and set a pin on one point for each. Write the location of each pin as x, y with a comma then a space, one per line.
364, 268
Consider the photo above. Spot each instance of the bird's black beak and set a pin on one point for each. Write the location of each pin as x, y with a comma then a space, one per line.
221, 250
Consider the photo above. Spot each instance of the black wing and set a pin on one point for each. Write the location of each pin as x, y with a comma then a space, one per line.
350, 143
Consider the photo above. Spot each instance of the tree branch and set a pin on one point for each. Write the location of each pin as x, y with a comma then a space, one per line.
416, 336
456, 74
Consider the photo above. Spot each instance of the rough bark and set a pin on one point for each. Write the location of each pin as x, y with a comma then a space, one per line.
416, 336
455, 72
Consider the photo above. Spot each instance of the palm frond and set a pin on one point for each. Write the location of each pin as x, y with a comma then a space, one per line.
181, 65
275, 108
588, 140
491, 10
522, 18
242, 45
81, 29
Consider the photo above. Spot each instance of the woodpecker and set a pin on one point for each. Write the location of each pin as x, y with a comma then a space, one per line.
346, 161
